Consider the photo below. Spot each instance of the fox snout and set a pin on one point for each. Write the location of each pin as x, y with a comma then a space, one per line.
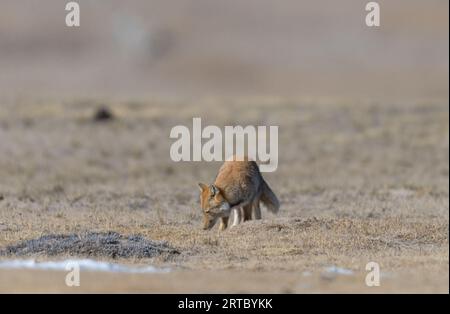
208, 223
210, 216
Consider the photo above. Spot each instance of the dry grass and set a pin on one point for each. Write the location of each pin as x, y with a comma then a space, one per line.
357, 182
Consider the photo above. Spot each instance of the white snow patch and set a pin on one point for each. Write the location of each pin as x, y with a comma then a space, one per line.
84, 264
338, 270
402, 193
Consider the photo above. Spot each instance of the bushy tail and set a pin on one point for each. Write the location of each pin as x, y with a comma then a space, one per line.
269, 198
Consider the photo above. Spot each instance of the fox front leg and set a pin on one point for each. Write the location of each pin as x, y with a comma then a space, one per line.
236, 216
223, 223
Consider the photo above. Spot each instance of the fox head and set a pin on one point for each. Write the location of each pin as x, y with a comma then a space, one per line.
214, 205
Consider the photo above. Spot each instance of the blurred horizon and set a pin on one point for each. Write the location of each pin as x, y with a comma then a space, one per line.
197, 48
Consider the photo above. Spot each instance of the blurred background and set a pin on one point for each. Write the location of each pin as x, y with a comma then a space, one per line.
198, 48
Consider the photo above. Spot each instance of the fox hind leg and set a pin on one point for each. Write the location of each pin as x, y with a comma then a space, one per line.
247, 212
256, 209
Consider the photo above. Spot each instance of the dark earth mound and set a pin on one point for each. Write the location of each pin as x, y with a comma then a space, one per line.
103, 114
99, 244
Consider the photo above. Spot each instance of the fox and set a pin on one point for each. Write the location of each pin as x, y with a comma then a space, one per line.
239, 188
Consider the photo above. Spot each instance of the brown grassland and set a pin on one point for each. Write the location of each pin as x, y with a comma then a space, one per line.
358, 182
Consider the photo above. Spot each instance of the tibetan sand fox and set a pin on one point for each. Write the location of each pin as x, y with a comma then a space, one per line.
238, 188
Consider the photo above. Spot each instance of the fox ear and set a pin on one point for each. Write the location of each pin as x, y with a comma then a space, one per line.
202, 187
213, 189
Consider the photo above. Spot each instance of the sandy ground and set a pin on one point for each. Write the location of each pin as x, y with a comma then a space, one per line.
358, 182
222, 281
